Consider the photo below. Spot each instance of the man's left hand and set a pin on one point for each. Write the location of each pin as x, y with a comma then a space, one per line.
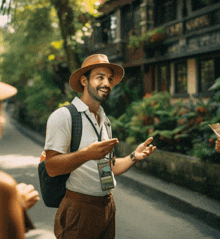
143, 150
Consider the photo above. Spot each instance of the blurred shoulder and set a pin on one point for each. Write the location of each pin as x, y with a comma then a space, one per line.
7, 184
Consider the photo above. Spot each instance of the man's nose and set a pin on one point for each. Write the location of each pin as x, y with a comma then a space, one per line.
107, 82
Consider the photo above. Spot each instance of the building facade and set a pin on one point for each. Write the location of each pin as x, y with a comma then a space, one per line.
184, 60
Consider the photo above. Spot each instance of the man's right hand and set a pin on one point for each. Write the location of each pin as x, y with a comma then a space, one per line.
98, 150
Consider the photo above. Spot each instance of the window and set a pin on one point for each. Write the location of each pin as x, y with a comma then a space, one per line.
97, 34
101, 32
198, 4
181, 78
165, 11
131, 19
126, 24
106, 30
206, 75
137, 18
163, 77
113, 27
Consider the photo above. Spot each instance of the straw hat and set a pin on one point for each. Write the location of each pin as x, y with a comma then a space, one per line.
91, 62
6, 91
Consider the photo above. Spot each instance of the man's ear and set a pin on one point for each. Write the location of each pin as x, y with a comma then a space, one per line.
83, 81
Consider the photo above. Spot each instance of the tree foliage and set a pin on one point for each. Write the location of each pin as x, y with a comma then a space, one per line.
41, 48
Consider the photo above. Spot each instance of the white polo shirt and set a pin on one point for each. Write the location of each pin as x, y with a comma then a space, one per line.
85, 179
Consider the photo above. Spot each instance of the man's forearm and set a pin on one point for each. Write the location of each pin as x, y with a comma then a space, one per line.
58, 164
122, 165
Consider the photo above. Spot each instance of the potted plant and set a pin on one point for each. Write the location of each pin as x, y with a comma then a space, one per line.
158, 35
147, 39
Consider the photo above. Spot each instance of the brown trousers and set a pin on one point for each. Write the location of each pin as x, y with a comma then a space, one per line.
81, 216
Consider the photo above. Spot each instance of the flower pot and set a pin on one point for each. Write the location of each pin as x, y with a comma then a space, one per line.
157, 37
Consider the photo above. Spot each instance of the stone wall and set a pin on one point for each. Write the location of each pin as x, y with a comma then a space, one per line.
180, 169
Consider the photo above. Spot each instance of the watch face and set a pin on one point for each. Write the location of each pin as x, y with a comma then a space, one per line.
132, 156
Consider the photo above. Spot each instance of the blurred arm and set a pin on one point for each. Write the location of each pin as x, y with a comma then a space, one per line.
11, 212
217, 145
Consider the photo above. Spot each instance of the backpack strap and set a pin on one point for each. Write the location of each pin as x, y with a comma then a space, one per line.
76, 127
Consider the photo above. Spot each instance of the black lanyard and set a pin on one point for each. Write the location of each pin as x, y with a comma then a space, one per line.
112, 154
98, 135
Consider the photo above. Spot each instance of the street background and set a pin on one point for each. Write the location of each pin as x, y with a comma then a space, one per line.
141, 212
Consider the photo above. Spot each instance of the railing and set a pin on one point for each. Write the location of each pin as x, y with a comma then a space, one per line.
194, 34
199, 20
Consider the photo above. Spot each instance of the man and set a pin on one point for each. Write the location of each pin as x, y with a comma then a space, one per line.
88, 209
6, 91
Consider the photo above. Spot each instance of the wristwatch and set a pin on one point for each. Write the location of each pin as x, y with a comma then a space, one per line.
132, 157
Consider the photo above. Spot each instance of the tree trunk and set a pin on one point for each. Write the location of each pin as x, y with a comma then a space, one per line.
66, 16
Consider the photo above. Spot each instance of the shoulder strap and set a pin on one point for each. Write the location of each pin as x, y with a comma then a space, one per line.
76, 127
108, 127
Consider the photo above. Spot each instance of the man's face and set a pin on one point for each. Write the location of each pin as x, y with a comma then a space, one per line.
100, 83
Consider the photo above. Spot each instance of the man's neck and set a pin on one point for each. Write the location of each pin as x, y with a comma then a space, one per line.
93, 105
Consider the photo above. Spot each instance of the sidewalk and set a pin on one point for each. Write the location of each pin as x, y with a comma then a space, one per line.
185, 200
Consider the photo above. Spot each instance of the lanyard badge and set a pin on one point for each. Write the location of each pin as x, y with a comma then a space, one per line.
105, 174
104, 165
105, 171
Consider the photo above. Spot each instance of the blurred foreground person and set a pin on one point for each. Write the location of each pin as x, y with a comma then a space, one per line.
6, 91
217, 145
15, 199
88, 208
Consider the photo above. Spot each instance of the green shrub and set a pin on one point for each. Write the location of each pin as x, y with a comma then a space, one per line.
41, 100
182, 127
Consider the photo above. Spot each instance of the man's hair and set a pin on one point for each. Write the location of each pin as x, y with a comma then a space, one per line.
87, 74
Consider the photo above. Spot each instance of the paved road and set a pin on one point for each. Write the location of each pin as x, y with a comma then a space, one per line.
19, 156
140, 215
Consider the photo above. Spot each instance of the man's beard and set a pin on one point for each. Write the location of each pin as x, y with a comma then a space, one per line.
94, 93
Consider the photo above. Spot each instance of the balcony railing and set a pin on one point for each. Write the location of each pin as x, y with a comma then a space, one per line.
201, 19
114, 51
195, 33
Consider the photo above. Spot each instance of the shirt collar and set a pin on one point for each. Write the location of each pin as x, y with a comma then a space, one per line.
82, 107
